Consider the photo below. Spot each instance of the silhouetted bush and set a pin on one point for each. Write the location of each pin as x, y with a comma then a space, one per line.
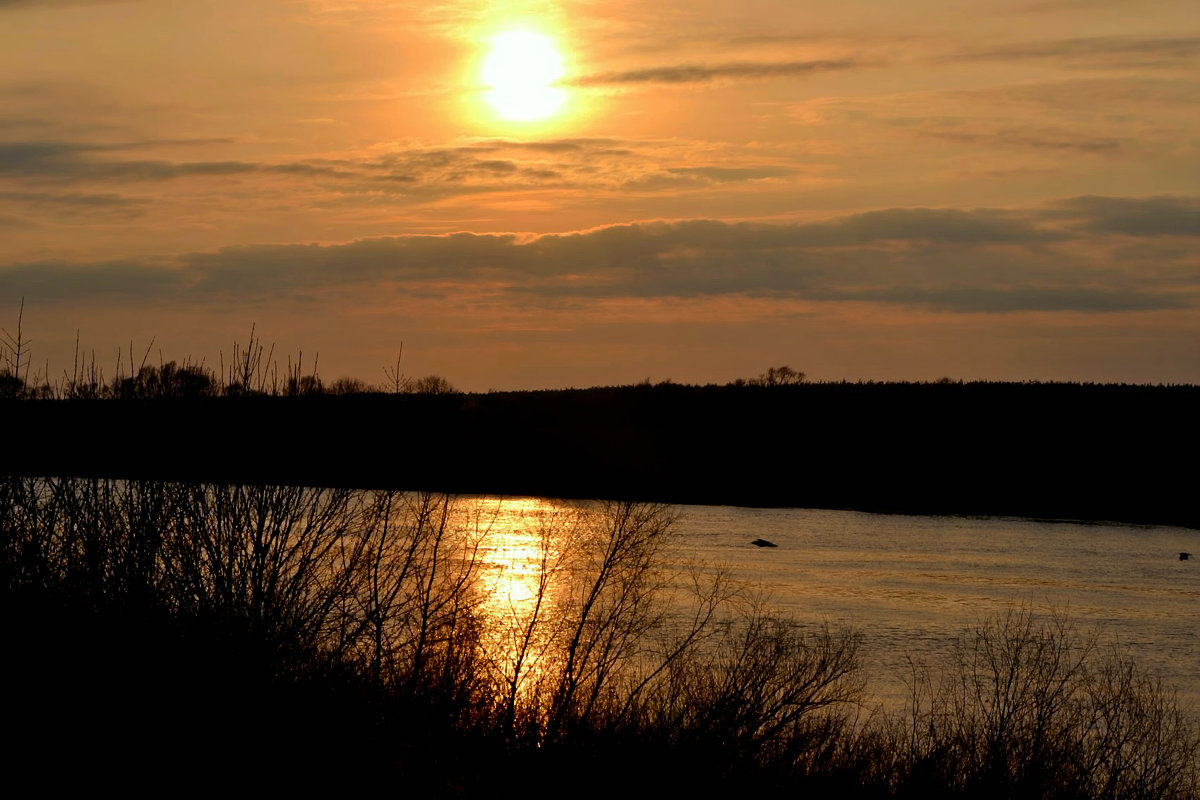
11, 387
169, 380
348, 386
1029, 708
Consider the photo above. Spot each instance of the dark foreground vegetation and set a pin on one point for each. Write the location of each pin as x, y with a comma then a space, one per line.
283, 635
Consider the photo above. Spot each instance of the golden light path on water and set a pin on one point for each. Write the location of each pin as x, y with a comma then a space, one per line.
910, 585
522, 577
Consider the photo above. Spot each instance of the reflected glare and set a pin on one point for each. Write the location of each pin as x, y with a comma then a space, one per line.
522, 561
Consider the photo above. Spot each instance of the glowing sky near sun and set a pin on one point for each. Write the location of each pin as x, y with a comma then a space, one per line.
572, 193
522, 71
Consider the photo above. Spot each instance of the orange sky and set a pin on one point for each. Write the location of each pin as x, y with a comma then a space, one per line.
866, 189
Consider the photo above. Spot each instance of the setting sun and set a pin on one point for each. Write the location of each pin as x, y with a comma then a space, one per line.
522, 71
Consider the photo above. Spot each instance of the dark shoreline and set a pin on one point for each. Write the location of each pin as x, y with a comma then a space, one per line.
1072, 452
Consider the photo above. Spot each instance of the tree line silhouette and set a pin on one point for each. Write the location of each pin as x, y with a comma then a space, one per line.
1052, 451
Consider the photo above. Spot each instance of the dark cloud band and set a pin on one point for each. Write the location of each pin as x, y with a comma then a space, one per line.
981, 260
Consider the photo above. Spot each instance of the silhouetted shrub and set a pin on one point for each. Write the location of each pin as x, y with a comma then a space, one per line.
169, 380
1029, 708
348, 386
11, 387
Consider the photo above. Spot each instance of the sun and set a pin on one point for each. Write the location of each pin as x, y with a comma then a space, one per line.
522, 71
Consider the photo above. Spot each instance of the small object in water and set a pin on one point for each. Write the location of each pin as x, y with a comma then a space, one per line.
763, 543
1184, 556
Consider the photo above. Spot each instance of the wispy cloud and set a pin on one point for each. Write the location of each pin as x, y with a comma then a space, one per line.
68, 160
74, 199
1027, 139
418, 173
1098, 51
1054, 6
73, 206
733, 174
705, 73
10, 4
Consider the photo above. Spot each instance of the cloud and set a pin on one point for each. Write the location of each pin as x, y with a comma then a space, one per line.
1091, 6
73, 161
109, 281
982, 260
12, 4
76, 205
1147, 216
591, 165
705, 73
680, 179
937, 225
29, 124
1025, 139
1098, 51
1090, 93
1008, 299
732, 174
419, 174
73, 200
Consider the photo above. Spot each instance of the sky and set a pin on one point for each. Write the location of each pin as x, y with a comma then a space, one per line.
862, 190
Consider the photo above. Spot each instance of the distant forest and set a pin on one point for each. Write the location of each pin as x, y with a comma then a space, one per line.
1046, 450
1074, 451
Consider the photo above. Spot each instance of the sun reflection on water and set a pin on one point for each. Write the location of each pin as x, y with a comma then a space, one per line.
522, 577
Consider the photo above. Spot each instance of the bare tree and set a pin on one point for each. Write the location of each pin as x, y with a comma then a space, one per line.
432, 384
14, 353
779, 376
397, 381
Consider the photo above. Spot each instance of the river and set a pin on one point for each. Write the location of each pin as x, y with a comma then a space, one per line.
911, 585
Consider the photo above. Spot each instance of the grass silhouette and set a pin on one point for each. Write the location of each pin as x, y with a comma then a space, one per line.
261, 630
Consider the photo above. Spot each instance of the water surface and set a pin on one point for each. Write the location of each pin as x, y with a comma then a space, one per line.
912, 584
